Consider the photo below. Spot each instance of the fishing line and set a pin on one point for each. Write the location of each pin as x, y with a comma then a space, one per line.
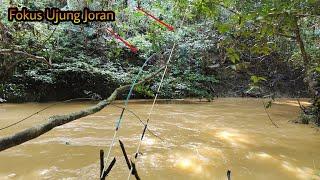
41, 110
75, 99
138, 117
155, 98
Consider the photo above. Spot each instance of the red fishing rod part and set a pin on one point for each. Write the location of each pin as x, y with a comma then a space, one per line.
139, 8
130, 46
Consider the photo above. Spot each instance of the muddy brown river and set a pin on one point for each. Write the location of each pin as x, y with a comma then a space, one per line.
200, 141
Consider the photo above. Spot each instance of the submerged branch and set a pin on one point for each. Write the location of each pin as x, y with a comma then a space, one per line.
302, 107
58, 120
265, 109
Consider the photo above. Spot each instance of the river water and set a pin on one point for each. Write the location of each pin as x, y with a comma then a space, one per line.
200, 141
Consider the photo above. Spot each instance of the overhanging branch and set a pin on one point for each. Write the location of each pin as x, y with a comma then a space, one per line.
58, 120
29, 56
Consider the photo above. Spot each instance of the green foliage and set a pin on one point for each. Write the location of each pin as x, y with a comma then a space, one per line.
13, 92
234, 57
144, 91
87, 59
256, 80
306, 119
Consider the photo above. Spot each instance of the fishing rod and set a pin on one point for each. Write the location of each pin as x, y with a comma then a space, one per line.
117, 127
153, 104
103, 174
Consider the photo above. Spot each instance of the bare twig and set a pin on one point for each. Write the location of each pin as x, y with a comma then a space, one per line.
265, 109
286, 35
302, 107
48, 38
29, 56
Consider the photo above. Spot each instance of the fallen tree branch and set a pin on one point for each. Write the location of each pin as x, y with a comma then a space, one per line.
302, 107
29, 56
28, 117
58, 120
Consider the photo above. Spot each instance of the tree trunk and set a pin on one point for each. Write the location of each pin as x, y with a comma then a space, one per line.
305, 57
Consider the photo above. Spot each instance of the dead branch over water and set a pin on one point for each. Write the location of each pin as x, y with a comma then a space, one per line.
58, 120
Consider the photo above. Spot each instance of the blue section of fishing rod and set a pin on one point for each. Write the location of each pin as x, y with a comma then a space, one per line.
131, 89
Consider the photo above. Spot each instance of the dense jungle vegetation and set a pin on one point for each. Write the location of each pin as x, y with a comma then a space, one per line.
261, 48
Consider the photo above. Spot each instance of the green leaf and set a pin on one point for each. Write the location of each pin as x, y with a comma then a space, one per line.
138, 14
89, 1
233, 55
257, 79
223, 28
